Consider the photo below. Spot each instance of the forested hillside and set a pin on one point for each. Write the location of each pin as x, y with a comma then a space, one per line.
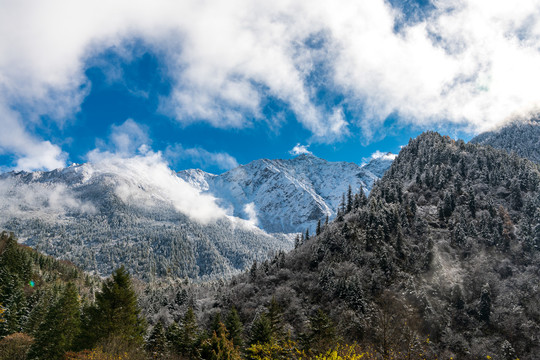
444, 252
133, 213
441, 261
521, 136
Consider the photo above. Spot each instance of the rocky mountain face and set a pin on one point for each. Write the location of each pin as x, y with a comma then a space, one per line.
442, 260
519, 136
287, 196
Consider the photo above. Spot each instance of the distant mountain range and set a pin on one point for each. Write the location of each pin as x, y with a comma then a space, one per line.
287, 196
139, 213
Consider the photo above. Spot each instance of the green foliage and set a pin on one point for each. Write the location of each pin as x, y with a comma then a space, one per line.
220, 346
115, 312
283, 350
234, 327
321, 335
261, 330
190, 335
156, 344
61, 326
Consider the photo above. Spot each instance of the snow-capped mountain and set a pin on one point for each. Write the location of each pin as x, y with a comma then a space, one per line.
137, 212
521, 136
286, 196
134, 212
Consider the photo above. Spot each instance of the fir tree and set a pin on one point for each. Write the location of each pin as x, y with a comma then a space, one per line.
174, 337
234, 326
322, 333
190, 334
261, 331
216, 321
307, 235
157, 342
349, 200
297, 242
275, 316
219, 346
485, 304
116, 312
318, 231
58, 332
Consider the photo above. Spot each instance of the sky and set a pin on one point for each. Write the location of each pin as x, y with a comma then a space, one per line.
213, 84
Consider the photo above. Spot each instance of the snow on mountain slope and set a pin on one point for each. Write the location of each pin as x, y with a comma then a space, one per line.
521, 136
134, 212
286, 196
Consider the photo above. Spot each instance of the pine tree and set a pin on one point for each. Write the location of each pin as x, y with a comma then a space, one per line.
156, 344
261, 331
216, 321
297, 241
174, 337
58, 332
485, 304
322, 333
349, 200
219, 346
190, 334
234, 326
275, 315
253, 271
116, 312
318, 231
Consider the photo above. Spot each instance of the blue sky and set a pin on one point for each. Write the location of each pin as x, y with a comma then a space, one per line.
213, 85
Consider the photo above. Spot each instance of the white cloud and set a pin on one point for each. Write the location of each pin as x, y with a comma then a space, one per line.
32, 152
146, 180
299, 149
251, 213
382, 155
200, 156
19, 199
125, 140
471, 63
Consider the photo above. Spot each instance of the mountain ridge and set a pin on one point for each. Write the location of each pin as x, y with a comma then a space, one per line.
306, 185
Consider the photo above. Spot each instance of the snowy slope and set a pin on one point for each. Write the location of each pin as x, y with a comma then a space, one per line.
285, 196
521, 136
132, 212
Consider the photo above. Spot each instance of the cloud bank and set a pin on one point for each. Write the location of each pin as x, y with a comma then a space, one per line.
471, 63
299, 149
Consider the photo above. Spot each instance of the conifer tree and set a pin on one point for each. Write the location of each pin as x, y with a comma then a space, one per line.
322, 333
216, 321
297, 242
318, 231
275, 316
116, 312
190, 335
58, 332
261, 331
307, 235
157, 342
219, 346
485, 304
174, 335
349, 200
234, 326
